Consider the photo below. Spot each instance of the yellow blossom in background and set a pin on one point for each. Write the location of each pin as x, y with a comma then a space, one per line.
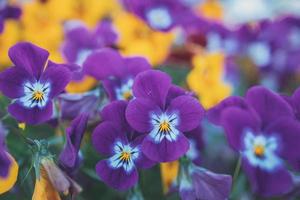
206, 79
136, 38
92, 11
7, 183
8, 38
84, 85
211, 9
169, 173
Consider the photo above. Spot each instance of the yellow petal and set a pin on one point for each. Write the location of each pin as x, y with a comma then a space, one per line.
81, 86
7, 183
22, 126
212, 9
44, 189
169, 173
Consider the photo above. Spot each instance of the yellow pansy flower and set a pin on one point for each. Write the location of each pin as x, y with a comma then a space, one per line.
7, 183
169, 173
84, 85
136, 38
206, 79
211, 9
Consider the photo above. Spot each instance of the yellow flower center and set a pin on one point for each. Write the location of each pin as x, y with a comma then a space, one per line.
164, 127
38, 95
259, 150
127, 95
125, 156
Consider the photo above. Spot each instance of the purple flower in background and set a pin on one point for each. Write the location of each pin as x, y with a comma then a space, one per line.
163, 116
8, 12
119, 142
69, 159
32, 83
263, 129
115, 72
196, 145
199, 183
161, 15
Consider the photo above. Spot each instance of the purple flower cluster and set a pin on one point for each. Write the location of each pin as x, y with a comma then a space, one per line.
263, 128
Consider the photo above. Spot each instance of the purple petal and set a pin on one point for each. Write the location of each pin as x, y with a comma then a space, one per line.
32, 116
104, 63
288, 132
30, 57
235, 121
189, 110
268, 183
211, 186
267, 104
142, 161
174, 91
74, 134
295, 101
116, 178
165, 151
104, 34
5, 163
105, 135
110, 86
58, 75
115, 113
152, 84
214, 114
136, 65
138, 114
195, 136
12, 80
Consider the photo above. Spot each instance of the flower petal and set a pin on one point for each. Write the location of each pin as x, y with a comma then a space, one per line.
138, 114
235, 121
12, 80
31, 116
152, 84
136, 65
105, 135
30, 57
165, 151
58, 75
8, 182
267, 104
189, 110
116, 178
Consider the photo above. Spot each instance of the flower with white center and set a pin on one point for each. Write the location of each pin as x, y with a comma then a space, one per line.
261, 151
35, 94
159, 18
124, 156
125, 91
164, 127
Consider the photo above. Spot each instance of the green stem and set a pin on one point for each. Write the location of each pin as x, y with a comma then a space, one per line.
237, 169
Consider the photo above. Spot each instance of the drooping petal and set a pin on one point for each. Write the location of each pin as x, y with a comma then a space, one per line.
104, 63
58, 76
174, 92
115, 113
12, 80
116, 178
138, 114
235, 122
267, 104
189, 110
105, 135
30, 57
165, 151
7, 182
32, 116
74, 134
287, 131
214, 114
268, 183
152, 84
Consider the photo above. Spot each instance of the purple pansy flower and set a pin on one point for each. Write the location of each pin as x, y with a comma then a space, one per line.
7, 12
263, 129
162, 116
115, 72
116, 139
161, 15
69, 159
32, 83
199, 183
